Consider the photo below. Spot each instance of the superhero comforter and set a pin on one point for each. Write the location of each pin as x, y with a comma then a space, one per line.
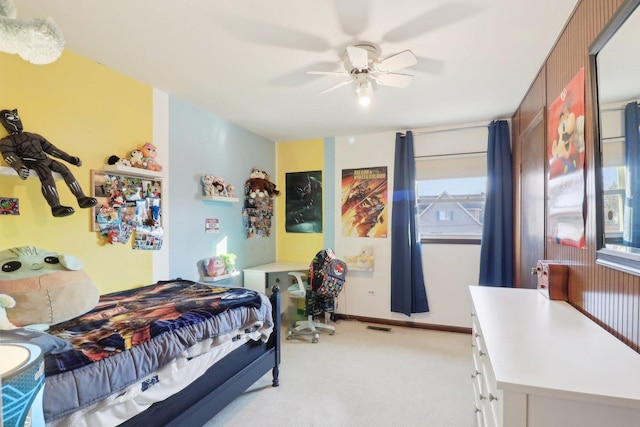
131, 334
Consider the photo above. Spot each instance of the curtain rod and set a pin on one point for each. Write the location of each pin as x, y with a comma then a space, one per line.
452, 155
452, 128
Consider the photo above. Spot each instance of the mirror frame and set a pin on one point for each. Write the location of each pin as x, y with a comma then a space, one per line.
619, 259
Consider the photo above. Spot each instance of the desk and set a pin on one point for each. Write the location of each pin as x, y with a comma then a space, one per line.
257, 278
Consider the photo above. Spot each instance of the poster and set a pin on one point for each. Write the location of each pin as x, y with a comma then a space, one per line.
364, 202
304, 202
565, 151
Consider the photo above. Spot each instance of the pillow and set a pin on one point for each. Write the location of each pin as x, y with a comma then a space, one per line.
48, 288
50, 344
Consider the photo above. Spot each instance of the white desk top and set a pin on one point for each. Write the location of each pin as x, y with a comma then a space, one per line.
278, 267
545, 347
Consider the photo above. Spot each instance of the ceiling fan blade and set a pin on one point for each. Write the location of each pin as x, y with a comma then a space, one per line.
271, 35
353, 16
334, 87
442, 16
428, 65
329, 73
394, 79
396, 62
358, 57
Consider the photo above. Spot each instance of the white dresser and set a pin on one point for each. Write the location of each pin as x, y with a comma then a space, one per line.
542, 363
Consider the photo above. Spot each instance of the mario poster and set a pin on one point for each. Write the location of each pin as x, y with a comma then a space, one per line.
565, 151
364, 202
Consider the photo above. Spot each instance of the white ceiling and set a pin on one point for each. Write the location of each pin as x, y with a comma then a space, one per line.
246, 60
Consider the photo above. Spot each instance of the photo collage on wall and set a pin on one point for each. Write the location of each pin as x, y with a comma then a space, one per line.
128, 204
364, 202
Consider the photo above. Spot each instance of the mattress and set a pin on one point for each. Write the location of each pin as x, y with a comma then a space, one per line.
130, 336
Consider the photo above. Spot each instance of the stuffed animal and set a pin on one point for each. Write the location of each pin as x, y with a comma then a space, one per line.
259, 185
135, 158
6, 302
25, 150
36, 40
231, 190
47, 287
214, 266
120, 161
229, 263
149, 155
256, 188
207, 185
219, 184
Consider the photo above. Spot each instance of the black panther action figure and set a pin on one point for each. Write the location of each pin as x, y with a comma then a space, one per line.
24, 150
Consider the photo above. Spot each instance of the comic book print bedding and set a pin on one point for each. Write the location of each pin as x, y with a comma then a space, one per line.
130, 334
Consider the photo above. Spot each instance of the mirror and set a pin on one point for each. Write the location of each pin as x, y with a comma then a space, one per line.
615, 63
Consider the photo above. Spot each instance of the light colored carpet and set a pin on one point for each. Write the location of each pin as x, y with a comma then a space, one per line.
362, 377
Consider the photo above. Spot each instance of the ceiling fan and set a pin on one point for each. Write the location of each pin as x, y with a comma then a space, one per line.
362, 66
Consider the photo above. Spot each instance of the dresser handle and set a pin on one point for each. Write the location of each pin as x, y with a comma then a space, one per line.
482, 353
482, 397
476, 373
473, 315
477, 409
477, 335
492, 397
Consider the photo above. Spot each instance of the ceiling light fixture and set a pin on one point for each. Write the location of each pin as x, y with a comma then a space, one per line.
364, 90
36, 40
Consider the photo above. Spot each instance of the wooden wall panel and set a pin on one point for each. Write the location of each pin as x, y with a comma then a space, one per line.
609, 297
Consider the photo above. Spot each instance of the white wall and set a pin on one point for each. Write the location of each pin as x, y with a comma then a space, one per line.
448, 269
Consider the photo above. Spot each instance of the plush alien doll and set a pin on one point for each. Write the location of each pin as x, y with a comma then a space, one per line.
24, 150
45, 287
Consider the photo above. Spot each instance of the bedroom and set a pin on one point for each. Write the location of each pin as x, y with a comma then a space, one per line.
64, 101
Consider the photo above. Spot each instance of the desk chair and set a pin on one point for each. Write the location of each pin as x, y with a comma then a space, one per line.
306, 327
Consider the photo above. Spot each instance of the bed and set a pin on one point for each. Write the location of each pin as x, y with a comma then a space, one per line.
172, 353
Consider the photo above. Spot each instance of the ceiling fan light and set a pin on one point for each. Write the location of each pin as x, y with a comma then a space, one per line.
364, 101
364, 91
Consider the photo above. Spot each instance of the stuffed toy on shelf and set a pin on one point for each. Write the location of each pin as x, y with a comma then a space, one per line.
24, 151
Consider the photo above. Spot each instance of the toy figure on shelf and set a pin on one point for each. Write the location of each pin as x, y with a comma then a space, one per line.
149, 155
24, 150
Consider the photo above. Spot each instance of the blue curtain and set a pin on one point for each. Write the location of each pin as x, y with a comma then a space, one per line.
496, 250
631, 234
408, 293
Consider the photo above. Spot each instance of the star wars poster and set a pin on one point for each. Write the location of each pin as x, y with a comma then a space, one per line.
304, 202
364, 202
565, 151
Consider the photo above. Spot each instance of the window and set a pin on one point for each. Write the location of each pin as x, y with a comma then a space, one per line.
445, 215
451, 179
613, 179
451, 209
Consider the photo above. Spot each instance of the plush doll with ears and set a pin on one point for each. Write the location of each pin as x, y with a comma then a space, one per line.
47, 287
24, 151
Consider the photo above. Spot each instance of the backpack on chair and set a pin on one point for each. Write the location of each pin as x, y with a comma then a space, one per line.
327, 274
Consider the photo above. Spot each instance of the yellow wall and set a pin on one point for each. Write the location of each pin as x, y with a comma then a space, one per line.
297, 156
91, 112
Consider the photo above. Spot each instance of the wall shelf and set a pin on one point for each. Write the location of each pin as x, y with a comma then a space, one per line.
220, 199
132, 171
8, 171
221, 277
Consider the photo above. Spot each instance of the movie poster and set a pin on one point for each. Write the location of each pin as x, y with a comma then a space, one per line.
364, 202
304, 202
565, 151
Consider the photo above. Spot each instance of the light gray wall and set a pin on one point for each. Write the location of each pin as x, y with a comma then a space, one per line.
200, 143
